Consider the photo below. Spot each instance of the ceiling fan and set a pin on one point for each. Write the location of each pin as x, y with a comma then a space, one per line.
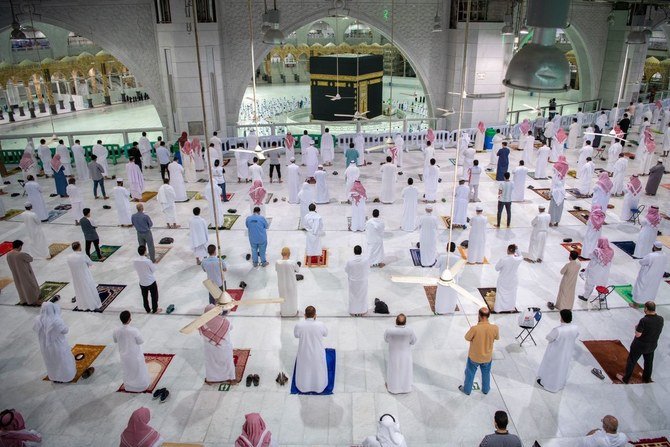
532, 109
258, 152
223, 302
414, 95
447, 112
357, 115
466, 95
337, 97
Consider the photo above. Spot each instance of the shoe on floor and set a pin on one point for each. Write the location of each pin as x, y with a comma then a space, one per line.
256, 379
164, 395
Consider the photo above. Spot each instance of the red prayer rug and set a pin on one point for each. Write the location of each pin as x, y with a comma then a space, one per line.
574, 246
5, 247
612, 356
157, 365
654, 442
236, 295
240, 358
317, 261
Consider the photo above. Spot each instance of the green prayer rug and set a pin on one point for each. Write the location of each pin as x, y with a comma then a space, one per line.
49, 289
626, 292
106, 250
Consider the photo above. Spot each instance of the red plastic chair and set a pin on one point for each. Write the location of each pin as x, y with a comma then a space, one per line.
601, 298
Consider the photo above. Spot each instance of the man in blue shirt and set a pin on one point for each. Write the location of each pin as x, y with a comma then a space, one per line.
210, 265
258, 237
351, 154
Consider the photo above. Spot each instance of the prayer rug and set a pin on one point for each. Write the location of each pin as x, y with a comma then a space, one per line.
161, 251
11, 213
575, 193
317, 261
493, 220
199, 196
65, 207
180, 444
236, 295
572, 173
55, 214
575, 246
416, 256
464, 254
491, 174
545, 193
626, 292
612, 356
157, 365
56, 248
230, 195
268, 197
201, 180
49, 289
106, 250
453, 161
330, 361
4, 282
240, 359
489, 295
665, 240
630, 155
190, 195
148, 195
431, 292
5, 247
226, 161
627, 247
654, 442
532, 175
229, 220
581, 215
107, 293
13, 171
666, 185
84, 356
446, 220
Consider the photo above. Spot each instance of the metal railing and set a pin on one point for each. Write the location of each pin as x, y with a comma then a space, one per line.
19, 141
591, 105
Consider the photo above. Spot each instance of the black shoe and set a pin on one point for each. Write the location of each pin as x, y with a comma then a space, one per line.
164, 395
539, 382
551, 305
243, 285
581, 298
250, 378
256, 379
158, 393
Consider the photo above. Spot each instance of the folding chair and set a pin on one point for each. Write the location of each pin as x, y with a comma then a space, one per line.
601, 298
635, 214
528, 321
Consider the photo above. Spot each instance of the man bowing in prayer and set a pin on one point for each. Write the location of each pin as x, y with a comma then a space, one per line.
23, 275
389, 173
219, 364
86, 292
399, 367
135, 373
410, 199
508, 280
374, 232
555, 366
358, 270
428, 238
311, 369
287, 283
135, 179
39, 247
122, 202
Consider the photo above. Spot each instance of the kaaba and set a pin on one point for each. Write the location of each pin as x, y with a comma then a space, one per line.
359, 78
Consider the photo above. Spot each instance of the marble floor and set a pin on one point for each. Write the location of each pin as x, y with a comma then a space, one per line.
92, 413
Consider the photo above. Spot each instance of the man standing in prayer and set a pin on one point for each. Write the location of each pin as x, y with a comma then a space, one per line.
614, 152
34, 193
351, 174
541, 162
23, 275
65, 159
275, 162
327, 147
358, 270
585, 174
56, 353
163, 157
311, 369
305, 198
145, 269
294, 181
631, 197
218, 145
136, 377
322, 195
430, 181
503, 162
145, 149
428, 154
176, 175
585, 153
505, 189
477, 237
357, 197
399, 144
258, 238
242, 163
198, 234
39, 247
461, 196
655, 177
410, 199
351, 155
594, 226
428, 225
508, 280
573, 134
647, 235
619, 175
400, 366
359, 144
647, 333
218, 178
501, 437
598, 271
287, 283
97, 172
480, 354
256, 171
607, 436
555, 366
389, 173
122, 202
652, 268
313, 225
76, 200
538, 236
86, 292
44, 153
143, 224
310, 158
305, 142
135, 155
135, 179
214, 204
473, 182
90, 234
519, 182
566, 290
101, 155
166, 197
528, 147
80, 161
211, 266
218, 350
497, 145
374, 233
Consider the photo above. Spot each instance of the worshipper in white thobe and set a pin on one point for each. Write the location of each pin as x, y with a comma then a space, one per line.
613, 116
322, 195
461, 200
549, 131
399, 143
473, 180
305, 142
555, 366
313, 225
101, 152
541, 162
122, 203
388, 434
430, 181
508, 280
34, 192
374, 233
652, 268
528, 147
39, 247
311, 369
218, 350
648, 155
167, 197
188, 157
389, 173
310, 158
538, 235
557, 191
602, 190
468, 161
85, 290
631, 198
410, 199
428, 154
135, 372
359, 144
242, 164
218, 146
519, 181
294, 181
647, 235
399, 366
65, 159
327, 147
497, 145
145, 149
28, 163
351, 174
666, 139
619, 175
585, 174
135, 180
198, 235
598, 270
52, 335
79, 155
176, 175
358, 270
477, 237
289, 146
573, 134
585, 152
428, 225
463, 144
613, 153
76, 200
594, 227
305, 199
256, 171
287, 283
357, 196
214, 204
480, 135
44, 152
557, 145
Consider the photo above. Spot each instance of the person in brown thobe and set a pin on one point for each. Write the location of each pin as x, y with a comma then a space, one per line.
655, 176
566, 291
24, 277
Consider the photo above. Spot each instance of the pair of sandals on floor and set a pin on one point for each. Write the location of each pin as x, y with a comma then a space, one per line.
255, 379
162, 394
